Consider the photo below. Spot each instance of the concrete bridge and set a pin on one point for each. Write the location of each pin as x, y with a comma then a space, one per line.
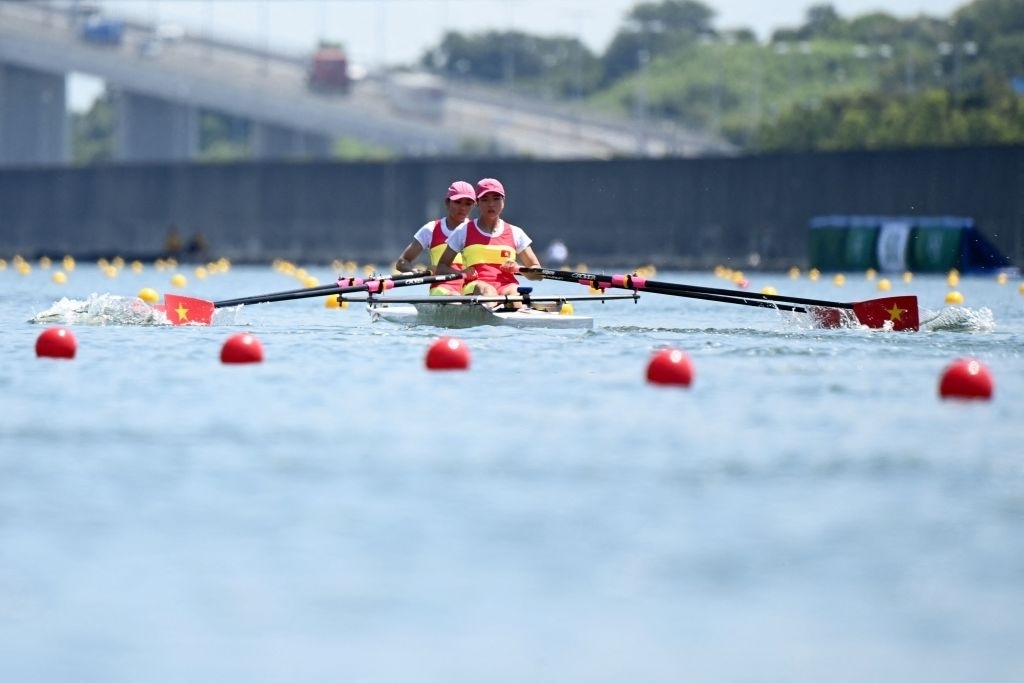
160, 87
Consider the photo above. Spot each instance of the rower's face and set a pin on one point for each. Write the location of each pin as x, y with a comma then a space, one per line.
458, 210
491, 204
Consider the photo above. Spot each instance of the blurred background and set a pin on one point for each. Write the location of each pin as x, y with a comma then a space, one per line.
725, 110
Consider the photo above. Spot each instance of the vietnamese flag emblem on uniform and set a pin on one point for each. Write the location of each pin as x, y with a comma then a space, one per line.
505, 253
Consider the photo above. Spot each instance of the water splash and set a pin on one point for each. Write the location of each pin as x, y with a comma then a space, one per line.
101, 309
958, 319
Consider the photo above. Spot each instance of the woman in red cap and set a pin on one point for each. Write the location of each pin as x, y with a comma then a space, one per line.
489, 247
433, 236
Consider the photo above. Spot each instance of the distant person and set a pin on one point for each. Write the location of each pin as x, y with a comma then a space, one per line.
196, 249
489, 247
557, 252
173, 243
433, 236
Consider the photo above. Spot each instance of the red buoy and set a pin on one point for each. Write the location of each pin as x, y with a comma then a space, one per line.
966, 378
448, 353
56, 342
670, 366
241, 347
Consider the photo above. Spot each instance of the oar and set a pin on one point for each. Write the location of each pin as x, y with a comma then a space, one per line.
185, 309
900, 311
319, 290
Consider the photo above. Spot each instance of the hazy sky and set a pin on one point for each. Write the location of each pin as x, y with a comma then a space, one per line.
399, 31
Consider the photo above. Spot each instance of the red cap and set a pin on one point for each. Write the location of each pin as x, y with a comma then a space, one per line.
460, 189
489, 185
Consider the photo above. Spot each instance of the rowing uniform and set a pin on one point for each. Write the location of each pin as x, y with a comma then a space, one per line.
433, 238
488, 251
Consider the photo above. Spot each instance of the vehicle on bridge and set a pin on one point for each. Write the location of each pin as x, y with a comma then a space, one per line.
97, 29
417, 93
328, 70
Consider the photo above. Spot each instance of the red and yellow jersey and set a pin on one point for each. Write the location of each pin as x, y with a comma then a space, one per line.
433, 238
487, 252
438, 243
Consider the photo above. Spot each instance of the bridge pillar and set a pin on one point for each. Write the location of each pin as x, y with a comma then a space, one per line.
270, 141
153, 129
33, 117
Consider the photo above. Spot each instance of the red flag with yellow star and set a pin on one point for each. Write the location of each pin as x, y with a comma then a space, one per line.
182, 310
899, 312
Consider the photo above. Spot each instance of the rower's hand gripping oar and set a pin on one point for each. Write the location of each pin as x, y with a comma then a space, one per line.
181, 310
900, 311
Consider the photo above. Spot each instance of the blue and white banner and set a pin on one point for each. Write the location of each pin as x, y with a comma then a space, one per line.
892, 246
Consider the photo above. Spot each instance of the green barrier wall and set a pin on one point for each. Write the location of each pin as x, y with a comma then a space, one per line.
828, 248
934, 248
926, 244
861, 250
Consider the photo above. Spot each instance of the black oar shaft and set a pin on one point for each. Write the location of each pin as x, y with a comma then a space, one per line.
760, 303
643, 284
327, 290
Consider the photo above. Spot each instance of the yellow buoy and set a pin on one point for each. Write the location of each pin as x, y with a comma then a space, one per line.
813, 274
310, 281
884, 285
1001, 278
953, 279
3, 264
1021, 288
332, 302
839, 280
768, 289
794, 273
149, 295
200, 273
23, 268
137, 266
870, 273
908, 277
566, 309
179, 280
45, 262
59, 278
954, 298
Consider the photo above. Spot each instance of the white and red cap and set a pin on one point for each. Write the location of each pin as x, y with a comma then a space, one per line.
489, 185
460, 189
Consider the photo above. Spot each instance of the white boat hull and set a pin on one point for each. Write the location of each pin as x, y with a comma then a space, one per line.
456, 315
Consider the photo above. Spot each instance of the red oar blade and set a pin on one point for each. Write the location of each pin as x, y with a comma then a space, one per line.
898, 311
828, 317
181, 310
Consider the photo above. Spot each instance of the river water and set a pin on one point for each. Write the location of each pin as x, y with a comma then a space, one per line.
808, 510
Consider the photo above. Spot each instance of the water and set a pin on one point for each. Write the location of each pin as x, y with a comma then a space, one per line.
808, 510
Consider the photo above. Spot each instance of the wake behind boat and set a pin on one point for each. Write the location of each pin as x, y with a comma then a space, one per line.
471, 311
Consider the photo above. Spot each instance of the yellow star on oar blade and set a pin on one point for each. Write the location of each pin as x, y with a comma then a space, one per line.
182, 312
895, 313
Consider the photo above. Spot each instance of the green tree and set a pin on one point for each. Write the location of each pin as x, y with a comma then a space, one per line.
653, 30
92, 133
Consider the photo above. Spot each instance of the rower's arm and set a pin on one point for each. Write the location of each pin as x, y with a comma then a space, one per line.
530, 260
444, 264
404, 264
